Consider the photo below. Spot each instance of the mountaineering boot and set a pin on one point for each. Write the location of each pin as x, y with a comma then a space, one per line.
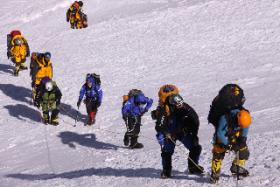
236, 169
214, 178
45, 117
196, 169
54, 117
16, 72
91, 119
166, 173
216, 169
126, 140
45, 121
134, 143
55, 121
136, 146
166, 165
90, 122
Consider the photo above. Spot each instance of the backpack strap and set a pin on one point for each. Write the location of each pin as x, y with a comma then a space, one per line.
231, 121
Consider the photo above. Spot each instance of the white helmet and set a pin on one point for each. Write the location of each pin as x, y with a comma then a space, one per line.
18, 41
49, 86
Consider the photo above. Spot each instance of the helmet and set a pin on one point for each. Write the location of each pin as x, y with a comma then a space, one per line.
49, 86
47, 56
244, 118
80, 3
18, 41
176, 100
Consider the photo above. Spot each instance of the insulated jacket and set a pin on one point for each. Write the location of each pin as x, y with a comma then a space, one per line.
228, 129
135, 109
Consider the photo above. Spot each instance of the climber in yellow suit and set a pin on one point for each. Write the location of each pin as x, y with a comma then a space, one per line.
40, 66
18, 51
75, 16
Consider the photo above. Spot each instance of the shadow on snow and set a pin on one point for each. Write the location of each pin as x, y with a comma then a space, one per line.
20, 112
6, 68
87, 140
115, 172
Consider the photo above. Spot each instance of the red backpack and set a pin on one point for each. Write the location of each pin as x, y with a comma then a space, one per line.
11, 36
15, 33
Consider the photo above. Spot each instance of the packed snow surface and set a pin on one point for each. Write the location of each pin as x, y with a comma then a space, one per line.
198, 45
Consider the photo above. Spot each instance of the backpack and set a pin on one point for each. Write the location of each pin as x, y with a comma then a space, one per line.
230, 97
165, 91
11, 36
96, 77
131, 93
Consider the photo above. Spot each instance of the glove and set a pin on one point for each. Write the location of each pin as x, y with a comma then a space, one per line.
79, 103
58, 102
160, 138
168, 136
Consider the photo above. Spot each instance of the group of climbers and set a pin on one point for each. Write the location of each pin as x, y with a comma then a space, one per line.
176, 120
45, 92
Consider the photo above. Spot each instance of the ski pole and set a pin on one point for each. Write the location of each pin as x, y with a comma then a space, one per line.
237, 173
76, 118
196, 165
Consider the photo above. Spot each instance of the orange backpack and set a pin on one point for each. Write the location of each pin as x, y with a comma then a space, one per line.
165, 91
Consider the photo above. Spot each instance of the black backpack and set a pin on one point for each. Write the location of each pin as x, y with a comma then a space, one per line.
134, 92
231, 96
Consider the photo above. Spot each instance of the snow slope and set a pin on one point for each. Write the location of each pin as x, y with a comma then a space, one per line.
199, 45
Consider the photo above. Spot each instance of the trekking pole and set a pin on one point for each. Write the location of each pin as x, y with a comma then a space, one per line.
76, 117
237, 173
196, 165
